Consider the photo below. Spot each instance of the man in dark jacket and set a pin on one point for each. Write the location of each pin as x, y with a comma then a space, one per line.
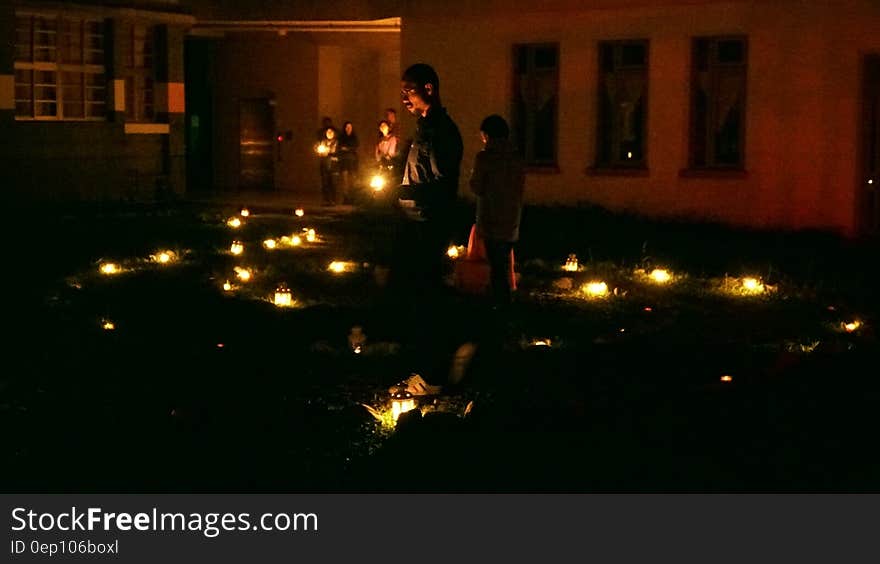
432, 167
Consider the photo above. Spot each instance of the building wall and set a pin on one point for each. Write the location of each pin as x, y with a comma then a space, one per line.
309, 78
72, 160
802, 104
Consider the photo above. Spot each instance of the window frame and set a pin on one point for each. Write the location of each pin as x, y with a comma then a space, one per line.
711, 165
59, 68
136, 76
613, 163
532, 165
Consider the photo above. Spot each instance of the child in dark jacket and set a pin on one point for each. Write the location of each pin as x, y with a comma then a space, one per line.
498, 181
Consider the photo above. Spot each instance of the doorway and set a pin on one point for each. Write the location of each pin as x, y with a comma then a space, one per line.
257, 144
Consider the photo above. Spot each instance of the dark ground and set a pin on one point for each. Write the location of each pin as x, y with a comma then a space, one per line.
156, 405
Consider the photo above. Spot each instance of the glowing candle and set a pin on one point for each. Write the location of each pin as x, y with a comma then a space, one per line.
236, 248
299, 212
752, 285
110, 268
660, 276
595, 289
234, 223
270, 243
401, 402
377, 183
283, 297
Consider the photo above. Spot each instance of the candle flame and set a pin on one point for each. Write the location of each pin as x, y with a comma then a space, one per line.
110, 268
595, 289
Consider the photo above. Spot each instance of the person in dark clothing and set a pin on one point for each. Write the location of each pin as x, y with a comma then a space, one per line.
348, 161
498, 181
431, 170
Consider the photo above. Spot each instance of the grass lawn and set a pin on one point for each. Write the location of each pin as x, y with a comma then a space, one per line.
200, 389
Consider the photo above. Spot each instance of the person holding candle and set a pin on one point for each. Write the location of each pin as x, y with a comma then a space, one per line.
329, 165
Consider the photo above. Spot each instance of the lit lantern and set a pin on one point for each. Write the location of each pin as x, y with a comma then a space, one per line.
660, 276
234, 222
571, 263
542, 343
163, 257
310, 235
299, 212
236, 248
752, 285
377, 183
727, 378
107, 325
357, 339
227, 287
110, 268
322, 150
283, 297
595, 289
244, 274
401, 402
338, 266
296, 241
452, 252
852, 326
270, 243
245, 212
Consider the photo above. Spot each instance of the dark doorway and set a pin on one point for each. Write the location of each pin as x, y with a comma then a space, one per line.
257, 144
870, 174
199, 78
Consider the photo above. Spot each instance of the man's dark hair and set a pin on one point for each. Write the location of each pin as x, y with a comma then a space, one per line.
421, 74
495, 127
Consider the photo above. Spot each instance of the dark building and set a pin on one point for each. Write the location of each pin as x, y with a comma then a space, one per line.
92, 99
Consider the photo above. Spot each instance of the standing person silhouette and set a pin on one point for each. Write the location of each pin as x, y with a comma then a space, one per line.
348, 161
430, 173
498, 181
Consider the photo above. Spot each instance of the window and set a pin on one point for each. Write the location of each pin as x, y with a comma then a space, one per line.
536, 86
622, 104
59, 68
718, 97
141, 74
